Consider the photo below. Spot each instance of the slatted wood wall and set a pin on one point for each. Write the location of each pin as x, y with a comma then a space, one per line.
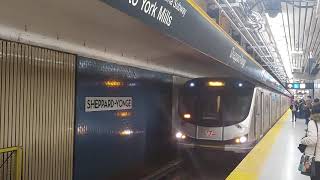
37, 90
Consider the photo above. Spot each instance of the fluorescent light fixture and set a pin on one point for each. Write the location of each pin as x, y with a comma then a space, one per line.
296, 52
277, 29
318, 8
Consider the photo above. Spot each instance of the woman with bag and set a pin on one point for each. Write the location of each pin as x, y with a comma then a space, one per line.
311, 157
293, 109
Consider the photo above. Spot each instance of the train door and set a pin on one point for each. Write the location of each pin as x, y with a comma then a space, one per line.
270, 110
258, 114
280, 113
266, 117
262, 113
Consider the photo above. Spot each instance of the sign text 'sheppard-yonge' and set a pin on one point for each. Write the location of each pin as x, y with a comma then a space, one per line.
160, 13
107, 103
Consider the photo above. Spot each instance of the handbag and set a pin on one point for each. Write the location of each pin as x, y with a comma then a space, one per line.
302, 148
307, 165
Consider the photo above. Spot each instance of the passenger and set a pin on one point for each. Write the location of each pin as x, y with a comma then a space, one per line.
311, 140
315, 101
301, 109
309, 102
307, 108
315, 106
293, 109
301, 104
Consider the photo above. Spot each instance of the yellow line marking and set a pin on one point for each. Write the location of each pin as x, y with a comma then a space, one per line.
214, 24
250, 167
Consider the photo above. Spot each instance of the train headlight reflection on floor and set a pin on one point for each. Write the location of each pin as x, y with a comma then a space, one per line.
126, 132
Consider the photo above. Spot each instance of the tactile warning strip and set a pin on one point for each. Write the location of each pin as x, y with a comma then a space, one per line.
251, 165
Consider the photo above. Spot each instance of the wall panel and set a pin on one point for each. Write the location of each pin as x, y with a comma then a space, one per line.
37, 90
113, 155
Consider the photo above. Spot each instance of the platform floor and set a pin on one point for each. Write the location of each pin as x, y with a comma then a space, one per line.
276, 156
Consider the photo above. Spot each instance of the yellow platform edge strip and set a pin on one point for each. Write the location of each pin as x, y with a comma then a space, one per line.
250, 167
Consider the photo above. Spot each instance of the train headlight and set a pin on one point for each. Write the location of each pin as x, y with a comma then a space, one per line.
242, 139
187, 116
180, 135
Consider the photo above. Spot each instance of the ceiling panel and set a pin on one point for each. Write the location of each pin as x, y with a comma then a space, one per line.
302, 32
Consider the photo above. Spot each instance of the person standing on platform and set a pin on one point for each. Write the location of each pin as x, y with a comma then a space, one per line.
300, 111
293, 109
309, 102
311, 140
315, 105
307, 107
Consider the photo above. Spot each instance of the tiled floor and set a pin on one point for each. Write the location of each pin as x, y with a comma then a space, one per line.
282, 162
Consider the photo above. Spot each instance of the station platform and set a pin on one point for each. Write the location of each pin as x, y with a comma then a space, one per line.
276, 156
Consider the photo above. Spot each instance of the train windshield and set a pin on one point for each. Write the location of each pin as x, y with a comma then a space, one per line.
216, 107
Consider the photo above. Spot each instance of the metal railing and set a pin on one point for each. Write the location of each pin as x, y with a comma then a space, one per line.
253, 37
10, 163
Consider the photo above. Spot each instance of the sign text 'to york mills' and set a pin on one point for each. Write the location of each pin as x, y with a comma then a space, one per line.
159, 12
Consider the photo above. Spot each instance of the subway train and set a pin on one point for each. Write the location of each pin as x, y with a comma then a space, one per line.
226, 114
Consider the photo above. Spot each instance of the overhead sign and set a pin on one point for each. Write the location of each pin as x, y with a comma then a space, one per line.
94, 104
183, 20
300, 85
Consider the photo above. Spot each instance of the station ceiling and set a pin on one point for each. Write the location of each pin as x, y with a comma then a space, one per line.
300, 31
93, 25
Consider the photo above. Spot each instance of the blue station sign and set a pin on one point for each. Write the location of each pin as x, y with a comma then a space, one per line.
186, 22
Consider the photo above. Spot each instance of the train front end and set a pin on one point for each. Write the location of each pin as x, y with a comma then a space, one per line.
216, 114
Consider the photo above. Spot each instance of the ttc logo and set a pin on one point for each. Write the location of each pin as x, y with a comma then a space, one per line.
210, 133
